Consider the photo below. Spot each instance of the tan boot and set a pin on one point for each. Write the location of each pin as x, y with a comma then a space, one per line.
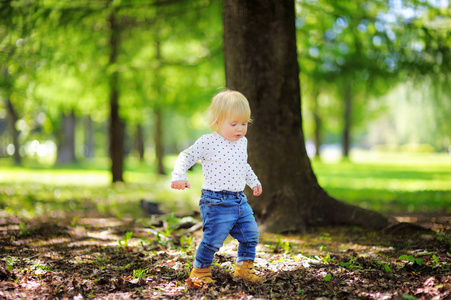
203, 274
246, 271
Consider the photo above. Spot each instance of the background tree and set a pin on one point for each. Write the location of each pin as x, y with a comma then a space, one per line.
360, 50
17, 57
424, 60
347, 48
82, 61
11, 115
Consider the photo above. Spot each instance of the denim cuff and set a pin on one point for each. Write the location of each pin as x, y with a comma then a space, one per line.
199, 265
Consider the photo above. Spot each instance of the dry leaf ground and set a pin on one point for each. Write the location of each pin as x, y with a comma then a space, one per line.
98, 258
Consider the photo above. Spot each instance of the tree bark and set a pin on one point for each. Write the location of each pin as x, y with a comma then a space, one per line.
158, 113
66, 139
116, 126
159, 150
317, 122
89, 137
12, 119
261, 62
139, 140
347, 119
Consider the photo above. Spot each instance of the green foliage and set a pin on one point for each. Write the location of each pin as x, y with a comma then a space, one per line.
124, 242
139, 273
327, 278
42, 267
9, 262
412, 259
385, 266
74, 221
409, 297
24, 229
327, 258
350, 264
370, 47
187, 242
283, 245
58, 61
435, 261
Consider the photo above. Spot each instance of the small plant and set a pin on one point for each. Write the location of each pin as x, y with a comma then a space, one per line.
327, 258
187, 268
124, 241
74, 221
9, 263
139, 273
435, 262
23, 227
187, 242
127, 266
282, 245
42, 267
162, 239
409, 297
170, 224
350, 264
412, 259
328, 277
385, 266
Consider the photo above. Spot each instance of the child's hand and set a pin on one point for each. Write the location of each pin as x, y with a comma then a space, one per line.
257, 190
180, 184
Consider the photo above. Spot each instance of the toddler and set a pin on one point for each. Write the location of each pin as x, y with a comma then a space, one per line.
223, 205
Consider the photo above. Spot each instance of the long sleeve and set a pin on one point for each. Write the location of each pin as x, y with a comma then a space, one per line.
251, 178
187, 159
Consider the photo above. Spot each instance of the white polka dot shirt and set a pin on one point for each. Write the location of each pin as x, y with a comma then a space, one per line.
224, 163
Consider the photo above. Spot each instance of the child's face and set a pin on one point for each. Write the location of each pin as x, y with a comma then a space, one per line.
232, 129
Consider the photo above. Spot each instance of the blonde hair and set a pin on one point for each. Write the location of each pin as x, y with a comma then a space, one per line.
227, 104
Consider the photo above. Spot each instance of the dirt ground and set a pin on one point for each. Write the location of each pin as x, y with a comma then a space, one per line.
107, 258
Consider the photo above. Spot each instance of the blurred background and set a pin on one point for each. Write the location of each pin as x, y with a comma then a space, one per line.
81, 81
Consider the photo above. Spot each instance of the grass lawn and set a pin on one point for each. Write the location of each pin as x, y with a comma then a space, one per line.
414, 183
390, 182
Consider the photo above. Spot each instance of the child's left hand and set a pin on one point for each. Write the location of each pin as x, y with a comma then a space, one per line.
257, 190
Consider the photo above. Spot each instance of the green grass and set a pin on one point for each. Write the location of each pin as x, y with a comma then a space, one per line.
383, 182
390, 182
86, 189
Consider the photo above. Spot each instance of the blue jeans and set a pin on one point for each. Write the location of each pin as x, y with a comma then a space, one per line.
225, 213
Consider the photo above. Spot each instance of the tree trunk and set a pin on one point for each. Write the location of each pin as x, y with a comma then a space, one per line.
159, 150
89, 137
261, 62
66, 140
317, 122
347, 118
116, 126
12, 119
140, 142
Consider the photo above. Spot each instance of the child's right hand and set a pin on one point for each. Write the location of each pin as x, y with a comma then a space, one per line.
180, 184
